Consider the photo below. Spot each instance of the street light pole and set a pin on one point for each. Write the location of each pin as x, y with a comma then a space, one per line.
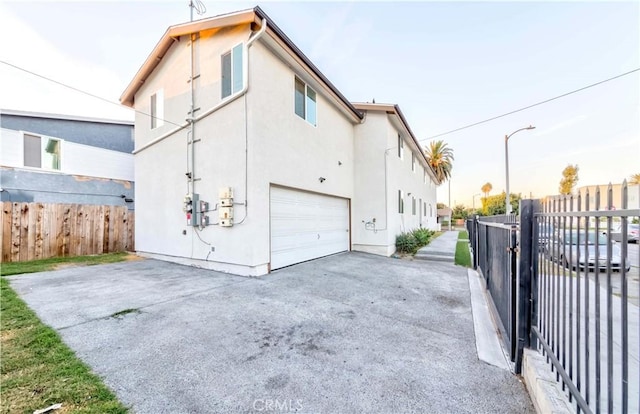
506, 164
450, 211
473, 202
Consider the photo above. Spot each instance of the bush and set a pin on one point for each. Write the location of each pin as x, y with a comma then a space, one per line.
423, 236
406, 243
412, 241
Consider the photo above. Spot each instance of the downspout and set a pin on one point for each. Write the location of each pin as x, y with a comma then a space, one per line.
220, 105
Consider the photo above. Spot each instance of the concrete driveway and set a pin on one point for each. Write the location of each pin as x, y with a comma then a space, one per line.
347, 333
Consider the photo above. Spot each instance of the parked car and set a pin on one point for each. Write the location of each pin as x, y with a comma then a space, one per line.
578, 250
545, 235
632, 233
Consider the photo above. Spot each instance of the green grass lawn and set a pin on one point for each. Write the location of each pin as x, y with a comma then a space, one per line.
463, 257
8, 269
36, 368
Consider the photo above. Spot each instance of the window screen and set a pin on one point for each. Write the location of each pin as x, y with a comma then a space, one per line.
32, 151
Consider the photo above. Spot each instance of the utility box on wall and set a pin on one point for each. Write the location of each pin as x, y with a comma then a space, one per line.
226, 207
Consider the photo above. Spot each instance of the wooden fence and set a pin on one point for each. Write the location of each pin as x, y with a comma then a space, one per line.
38, 231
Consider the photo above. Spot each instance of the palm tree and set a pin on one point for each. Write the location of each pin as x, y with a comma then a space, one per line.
440, 157
486, 189
635, 179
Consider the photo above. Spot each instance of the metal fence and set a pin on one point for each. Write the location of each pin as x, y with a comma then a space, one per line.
494, 245
573, 292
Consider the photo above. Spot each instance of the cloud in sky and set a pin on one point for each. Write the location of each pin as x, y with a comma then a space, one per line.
22, 91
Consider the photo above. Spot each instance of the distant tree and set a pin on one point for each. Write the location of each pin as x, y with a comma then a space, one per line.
569, 179
460, 212
495, 204
440, 157
441, 206
486, 189
634, 179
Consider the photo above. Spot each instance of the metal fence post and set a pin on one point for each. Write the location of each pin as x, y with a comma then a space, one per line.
513, 271
474, 240
524, 297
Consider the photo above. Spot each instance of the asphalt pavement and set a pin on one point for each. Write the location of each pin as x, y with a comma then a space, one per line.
347, 333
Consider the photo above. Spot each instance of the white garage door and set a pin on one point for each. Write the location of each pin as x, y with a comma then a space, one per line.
306, 226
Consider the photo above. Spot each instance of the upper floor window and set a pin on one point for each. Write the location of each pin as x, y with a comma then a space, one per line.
425, 176
232, 81
413, 162
39, 153
305, 102
400, 147
157, 109
400, 202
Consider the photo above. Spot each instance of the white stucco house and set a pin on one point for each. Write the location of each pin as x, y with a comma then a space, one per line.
248, 159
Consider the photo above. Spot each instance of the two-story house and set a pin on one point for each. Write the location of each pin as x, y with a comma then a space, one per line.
51, 158
248, 159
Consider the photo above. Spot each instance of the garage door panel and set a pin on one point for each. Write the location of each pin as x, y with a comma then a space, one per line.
305, 226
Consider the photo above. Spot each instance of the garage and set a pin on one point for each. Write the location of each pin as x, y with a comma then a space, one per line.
306, 226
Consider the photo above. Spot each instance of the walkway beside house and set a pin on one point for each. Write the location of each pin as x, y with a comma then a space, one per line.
442, 248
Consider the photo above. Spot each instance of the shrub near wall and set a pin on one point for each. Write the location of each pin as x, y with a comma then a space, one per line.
409, 243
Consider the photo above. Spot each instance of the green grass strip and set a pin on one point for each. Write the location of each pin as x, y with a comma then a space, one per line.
36, 368
8, 269
463, 257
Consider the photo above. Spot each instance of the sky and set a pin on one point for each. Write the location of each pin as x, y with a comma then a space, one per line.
447, 64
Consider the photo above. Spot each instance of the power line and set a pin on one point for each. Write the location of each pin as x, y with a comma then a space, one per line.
420, 140
530, 106
73, 88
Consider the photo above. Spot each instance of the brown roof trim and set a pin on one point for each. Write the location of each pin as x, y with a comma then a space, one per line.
394, 109
246, 16
171, 35
274, 27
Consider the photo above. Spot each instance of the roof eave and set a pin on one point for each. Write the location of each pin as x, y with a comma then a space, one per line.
170, 35
395, 110
246, 16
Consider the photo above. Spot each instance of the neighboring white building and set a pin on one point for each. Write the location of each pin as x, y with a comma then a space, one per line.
65, 159
633, 197
231, 112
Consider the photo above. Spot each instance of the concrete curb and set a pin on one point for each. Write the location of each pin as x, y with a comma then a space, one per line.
488, 345
545, 391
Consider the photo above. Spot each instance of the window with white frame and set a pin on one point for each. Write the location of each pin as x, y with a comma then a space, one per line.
413, 162
232, 81
413, 206
424, 210
430, 210
400, 202
305, 102
41, 153
400, 147
157, 109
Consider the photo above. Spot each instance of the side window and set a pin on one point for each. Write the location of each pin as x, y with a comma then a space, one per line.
38, 156
157, 109
32, 151
413, 162
400, 147
305, 104
400, 202
413, 206
232, 77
